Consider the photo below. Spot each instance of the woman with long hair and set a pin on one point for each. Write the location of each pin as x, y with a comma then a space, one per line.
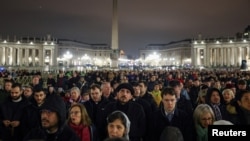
80, 122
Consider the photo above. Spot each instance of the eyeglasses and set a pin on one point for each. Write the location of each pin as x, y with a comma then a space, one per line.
206, 119
74, 112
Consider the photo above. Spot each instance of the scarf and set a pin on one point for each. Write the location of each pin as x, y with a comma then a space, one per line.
79, 100
202, 133
82, 131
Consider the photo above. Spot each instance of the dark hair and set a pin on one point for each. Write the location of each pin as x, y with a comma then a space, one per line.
209, 94
144, 82
242, 82
116, 139
17, 85
174, 83
95, 86
168, 91
36, 90
240, 94
171, 133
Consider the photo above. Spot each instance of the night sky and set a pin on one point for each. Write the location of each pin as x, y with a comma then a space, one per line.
141, 22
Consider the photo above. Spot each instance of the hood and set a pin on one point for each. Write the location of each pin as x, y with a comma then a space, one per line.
55, 103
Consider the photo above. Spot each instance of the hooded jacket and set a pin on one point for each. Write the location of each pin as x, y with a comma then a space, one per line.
54, 103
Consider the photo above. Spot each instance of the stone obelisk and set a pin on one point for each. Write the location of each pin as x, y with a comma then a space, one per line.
114, 42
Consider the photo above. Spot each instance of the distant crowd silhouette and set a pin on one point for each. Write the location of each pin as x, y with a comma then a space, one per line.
121, 105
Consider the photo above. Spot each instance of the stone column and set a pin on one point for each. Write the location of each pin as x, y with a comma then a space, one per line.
205, 56
234, 52
225, 57
228, 57
33, 56
240, 55
14, 56
195, 57
18, 56
215, 57
26, 62
51, 58
3, 56
198, 56
40, 54
247, 53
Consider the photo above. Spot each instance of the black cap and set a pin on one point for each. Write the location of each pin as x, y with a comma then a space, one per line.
134, 83
125, 86
242, 82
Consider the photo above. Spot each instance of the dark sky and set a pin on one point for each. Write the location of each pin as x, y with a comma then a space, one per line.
141, 22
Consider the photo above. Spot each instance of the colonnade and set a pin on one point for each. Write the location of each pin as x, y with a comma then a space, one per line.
220, 55
26, 55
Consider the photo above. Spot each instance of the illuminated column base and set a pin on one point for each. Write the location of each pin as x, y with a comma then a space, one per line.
114, 59
114, 64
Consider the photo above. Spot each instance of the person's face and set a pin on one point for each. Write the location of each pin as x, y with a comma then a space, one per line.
143, 88
27, 92
15, 93
67, 95
196, 83
106, 90
74, 95
177, 90
137, 91
217, 85
7, 86
95, 94
169, 102
157, 87
85, 97
75, 115
51, 89
245, 101
215, 97
242, 86
206, 119
98, 79
49, 120
124, 95
39, 97
50, 76
153, 78
35, 80
116, 129
234, 90
227, 97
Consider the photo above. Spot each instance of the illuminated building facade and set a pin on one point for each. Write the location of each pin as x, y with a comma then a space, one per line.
27, 52
200, 52
48, 54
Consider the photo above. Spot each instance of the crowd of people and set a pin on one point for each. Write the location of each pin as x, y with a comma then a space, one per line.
122, 105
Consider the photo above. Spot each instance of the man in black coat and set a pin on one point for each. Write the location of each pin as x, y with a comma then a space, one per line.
169, 114
31, 116
11, 112
54, 127
133, 110
96, 102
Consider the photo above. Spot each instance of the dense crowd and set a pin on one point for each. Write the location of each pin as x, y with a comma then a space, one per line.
129, 105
